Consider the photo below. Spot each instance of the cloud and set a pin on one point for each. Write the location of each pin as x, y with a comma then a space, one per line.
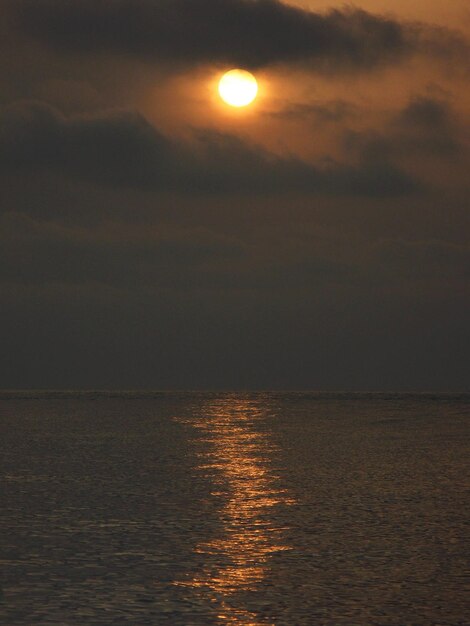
426, 112
332, 111
121, 148
46, 252
124, 150
426, 126
251, 33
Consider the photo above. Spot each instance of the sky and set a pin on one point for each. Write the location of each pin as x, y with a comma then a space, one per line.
153, 237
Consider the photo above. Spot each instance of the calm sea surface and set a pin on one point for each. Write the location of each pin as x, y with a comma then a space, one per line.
234, 508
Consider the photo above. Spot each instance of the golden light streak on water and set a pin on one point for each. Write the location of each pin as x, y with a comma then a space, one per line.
237, 456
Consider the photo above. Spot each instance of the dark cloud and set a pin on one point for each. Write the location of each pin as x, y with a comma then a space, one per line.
251, 33
427, 113
425, 127
120, 148
429, 125
36, 252
123, 149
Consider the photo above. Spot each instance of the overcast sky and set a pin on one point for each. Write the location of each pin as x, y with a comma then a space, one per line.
153, 237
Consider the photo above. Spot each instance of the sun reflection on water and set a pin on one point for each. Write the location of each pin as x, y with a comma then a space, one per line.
236, 455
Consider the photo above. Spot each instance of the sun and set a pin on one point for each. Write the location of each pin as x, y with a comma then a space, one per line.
238, 88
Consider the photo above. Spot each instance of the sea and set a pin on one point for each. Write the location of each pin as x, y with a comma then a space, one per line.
266, 508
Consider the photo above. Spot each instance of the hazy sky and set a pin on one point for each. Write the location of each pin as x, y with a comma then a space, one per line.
151, 236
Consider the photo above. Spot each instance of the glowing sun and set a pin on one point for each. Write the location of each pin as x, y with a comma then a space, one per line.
238, 88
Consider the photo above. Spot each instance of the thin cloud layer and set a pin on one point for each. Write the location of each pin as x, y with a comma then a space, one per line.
252, 33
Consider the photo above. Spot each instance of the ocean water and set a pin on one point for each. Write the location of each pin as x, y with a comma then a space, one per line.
234, 508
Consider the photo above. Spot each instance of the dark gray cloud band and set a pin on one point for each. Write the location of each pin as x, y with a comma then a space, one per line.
251, 33
124, 150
